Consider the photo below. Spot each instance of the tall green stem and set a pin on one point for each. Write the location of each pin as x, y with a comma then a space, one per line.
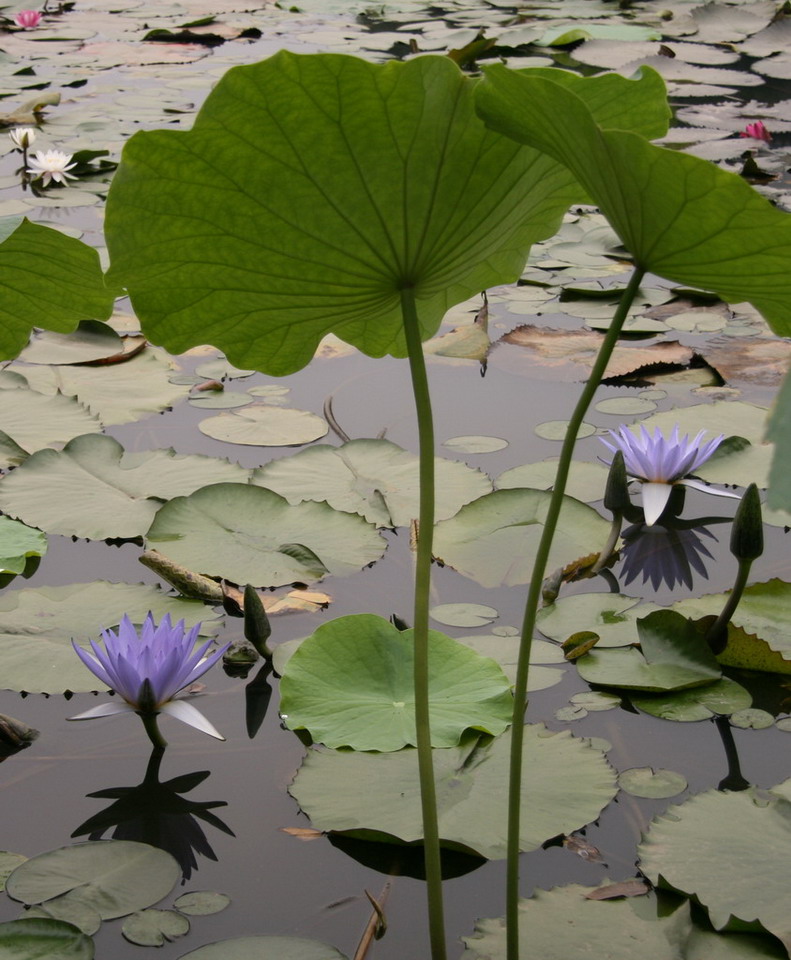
428, 796
531, 608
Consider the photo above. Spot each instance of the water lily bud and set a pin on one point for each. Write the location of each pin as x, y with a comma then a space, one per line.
616, 494
257, 628
22, 137
747, 533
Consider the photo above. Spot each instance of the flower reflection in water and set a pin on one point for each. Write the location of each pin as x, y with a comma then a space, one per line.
665, 553
157, 814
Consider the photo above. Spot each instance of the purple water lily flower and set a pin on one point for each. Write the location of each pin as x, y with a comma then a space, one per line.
659, 463
148, 670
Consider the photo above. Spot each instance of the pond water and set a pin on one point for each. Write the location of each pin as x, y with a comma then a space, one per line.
279, 883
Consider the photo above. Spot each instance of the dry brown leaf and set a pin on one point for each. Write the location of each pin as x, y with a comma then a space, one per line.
302, 833
569, 354
758, 360
626, 888
583, 849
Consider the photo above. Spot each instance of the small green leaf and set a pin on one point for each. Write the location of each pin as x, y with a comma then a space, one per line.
201, 903
152, 928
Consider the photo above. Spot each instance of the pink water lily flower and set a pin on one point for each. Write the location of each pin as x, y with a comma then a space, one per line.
660, 462
757, 131
28, 19
147, 671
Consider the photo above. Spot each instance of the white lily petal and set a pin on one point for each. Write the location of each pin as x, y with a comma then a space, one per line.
185, 712
706, 488
655, 497
105, 710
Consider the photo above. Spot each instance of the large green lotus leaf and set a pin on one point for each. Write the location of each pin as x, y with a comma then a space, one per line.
117, 877
37, 626
36, 938
554, 923
679, 216
251, 535
17, 543
351, 684
567, 783
46, 280
34, 421
109, 492
612, 615
780, 432
375, 478
116, 393
764, 611
674, 657
265, 948
741, 836
494, 539
313, 190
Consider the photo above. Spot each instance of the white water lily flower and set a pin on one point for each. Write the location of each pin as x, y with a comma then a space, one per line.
23, 137
51, 165
659, 463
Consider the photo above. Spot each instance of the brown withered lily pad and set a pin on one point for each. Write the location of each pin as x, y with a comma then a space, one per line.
749, 359
569, 354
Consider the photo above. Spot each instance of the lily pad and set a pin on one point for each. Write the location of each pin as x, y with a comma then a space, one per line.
650, 783
475, 444
566, 785
505, 651
34, 938
37, 625
110, 492
721, 698
251, 535
84, 916
351, 684
263, 425
116, 877
463, 614
587, 481
152, 928
35, 421
375, 478
746, 834
493, 540
265, 948
17, 543
201, 903
611, 615
91, 340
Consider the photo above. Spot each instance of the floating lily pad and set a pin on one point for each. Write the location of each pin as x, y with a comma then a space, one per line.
220, 400
375, 478
110, 492
251, 535
752, 719
557, 430
351, 684
673, 656
34, 421
493, 540
153, 928
553, 923
611, 615
470, 444
263, 425
17, 543
9, 862
650, 783
265, 948
463, 614
37, 625
505, 651
31, 939
587, 481
91, 340
116, 877
746, 834
625, 406
721, 698
594, 701
82, 915
566, 785
201, 903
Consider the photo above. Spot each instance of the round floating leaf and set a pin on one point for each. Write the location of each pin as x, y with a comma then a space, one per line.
91, 340
700, 703
463, 614
611, 615
36, 938
566, 785
116, 877
220, 400
110, 493
505, 651
745, 834
37, 625
557, 430
251, 535
81, 915
554, 923
35, 421
201, 903
650, 783
674, 656
587, 481
351, 684
595, 700
263, 425
265, 948
470, 444
152, 928
493, 540
375, 478
752, 719
625, 406
17, 543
